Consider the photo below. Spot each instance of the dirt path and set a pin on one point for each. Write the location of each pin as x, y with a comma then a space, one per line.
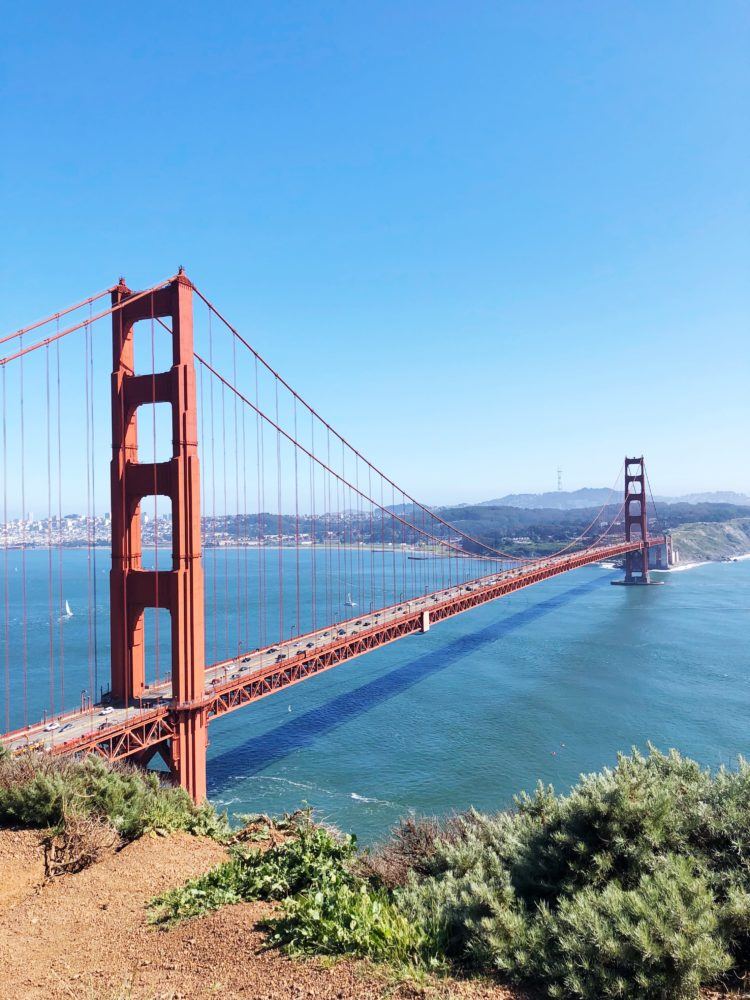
85, 936
21, 865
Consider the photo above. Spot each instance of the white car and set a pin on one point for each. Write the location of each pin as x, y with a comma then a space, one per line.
51, 727
107, 711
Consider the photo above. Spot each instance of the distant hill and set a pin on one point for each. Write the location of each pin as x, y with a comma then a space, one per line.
557, 500
726, 496
593, 497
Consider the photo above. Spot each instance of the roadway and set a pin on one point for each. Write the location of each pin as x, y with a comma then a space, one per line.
102, 723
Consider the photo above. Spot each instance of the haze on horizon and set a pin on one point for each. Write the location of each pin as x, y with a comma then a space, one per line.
484, 243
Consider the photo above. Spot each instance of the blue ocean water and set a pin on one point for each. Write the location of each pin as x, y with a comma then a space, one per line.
543, 685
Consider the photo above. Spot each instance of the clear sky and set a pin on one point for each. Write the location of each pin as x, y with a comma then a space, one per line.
484, 239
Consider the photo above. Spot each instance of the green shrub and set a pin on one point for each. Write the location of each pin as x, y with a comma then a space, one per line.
636, 884
658, 939
38, 791
345, 917
311, 858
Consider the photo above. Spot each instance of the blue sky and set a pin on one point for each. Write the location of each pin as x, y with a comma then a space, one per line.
484, 239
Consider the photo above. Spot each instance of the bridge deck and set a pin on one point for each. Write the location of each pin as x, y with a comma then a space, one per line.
116, 733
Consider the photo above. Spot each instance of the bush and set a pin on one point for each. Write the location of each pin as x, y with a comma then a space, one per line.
79, 842
411, 848
311, 858
659, 939
634, 885
349, 917
39, 791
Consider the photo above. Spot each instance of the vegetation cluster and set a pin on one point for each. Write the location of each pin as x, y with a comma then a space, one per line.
635, 884
544, 528
88, 806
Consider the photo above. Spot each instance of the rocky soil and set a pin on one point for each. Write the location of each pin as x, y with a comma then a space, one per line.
86, 936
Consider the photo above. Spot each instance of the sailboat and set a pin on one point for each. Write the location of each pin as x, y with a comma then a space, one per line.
349, 603
68, 611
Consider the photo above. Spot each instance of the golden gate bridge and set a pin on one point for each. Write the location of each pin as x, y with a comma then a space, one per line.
313, 555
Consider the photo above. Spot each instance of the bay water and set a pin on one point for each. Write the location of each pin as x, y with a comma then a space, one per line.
539, 686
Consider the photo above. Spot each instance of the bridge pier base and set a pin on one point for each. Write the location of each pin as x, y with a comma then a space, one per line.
185, 755
189, 753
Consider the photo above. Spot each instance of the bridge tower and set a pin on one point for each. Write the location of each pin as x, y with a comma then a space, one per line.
636, 520
179, 589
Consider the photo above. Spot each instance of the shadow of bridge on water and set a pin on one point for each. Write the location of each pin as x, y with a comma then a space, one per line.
257, 753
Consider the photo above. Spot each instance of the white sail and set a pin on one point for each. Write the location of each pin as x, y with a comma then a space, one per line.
349, 603
68, 611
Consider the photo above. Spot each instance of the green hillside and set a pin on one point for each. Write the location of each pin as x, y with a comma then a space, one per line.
703, 541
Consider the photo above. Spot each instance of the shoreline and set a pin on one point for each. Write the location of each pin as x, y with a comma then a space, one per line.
378, 549
682, 567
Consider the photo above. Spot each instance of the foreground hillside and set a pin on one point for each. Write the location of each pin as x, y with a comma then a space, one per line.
635, 884
87, 936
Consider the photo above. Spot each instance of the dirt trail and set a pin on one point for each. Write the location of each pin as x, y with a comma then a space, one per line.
85, 936
21, 865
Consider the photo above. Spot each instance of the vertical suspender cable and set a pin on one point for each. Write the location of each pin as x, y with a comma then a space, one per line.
157, 657
93, 511
393, 542
403, 548
90, 657
6, 601
313, 529
279, 522
382, 543
227, 651
296, 515
246, 532
327, 528
345, 525
261, 459
371, 545
238, 593
359, 531
312, 541
50, 584
214, 573
25, 638
61, 595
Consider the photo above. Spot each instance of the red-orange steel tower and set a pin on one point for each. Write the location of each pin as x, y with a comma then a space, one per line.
180, 589
636, 520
